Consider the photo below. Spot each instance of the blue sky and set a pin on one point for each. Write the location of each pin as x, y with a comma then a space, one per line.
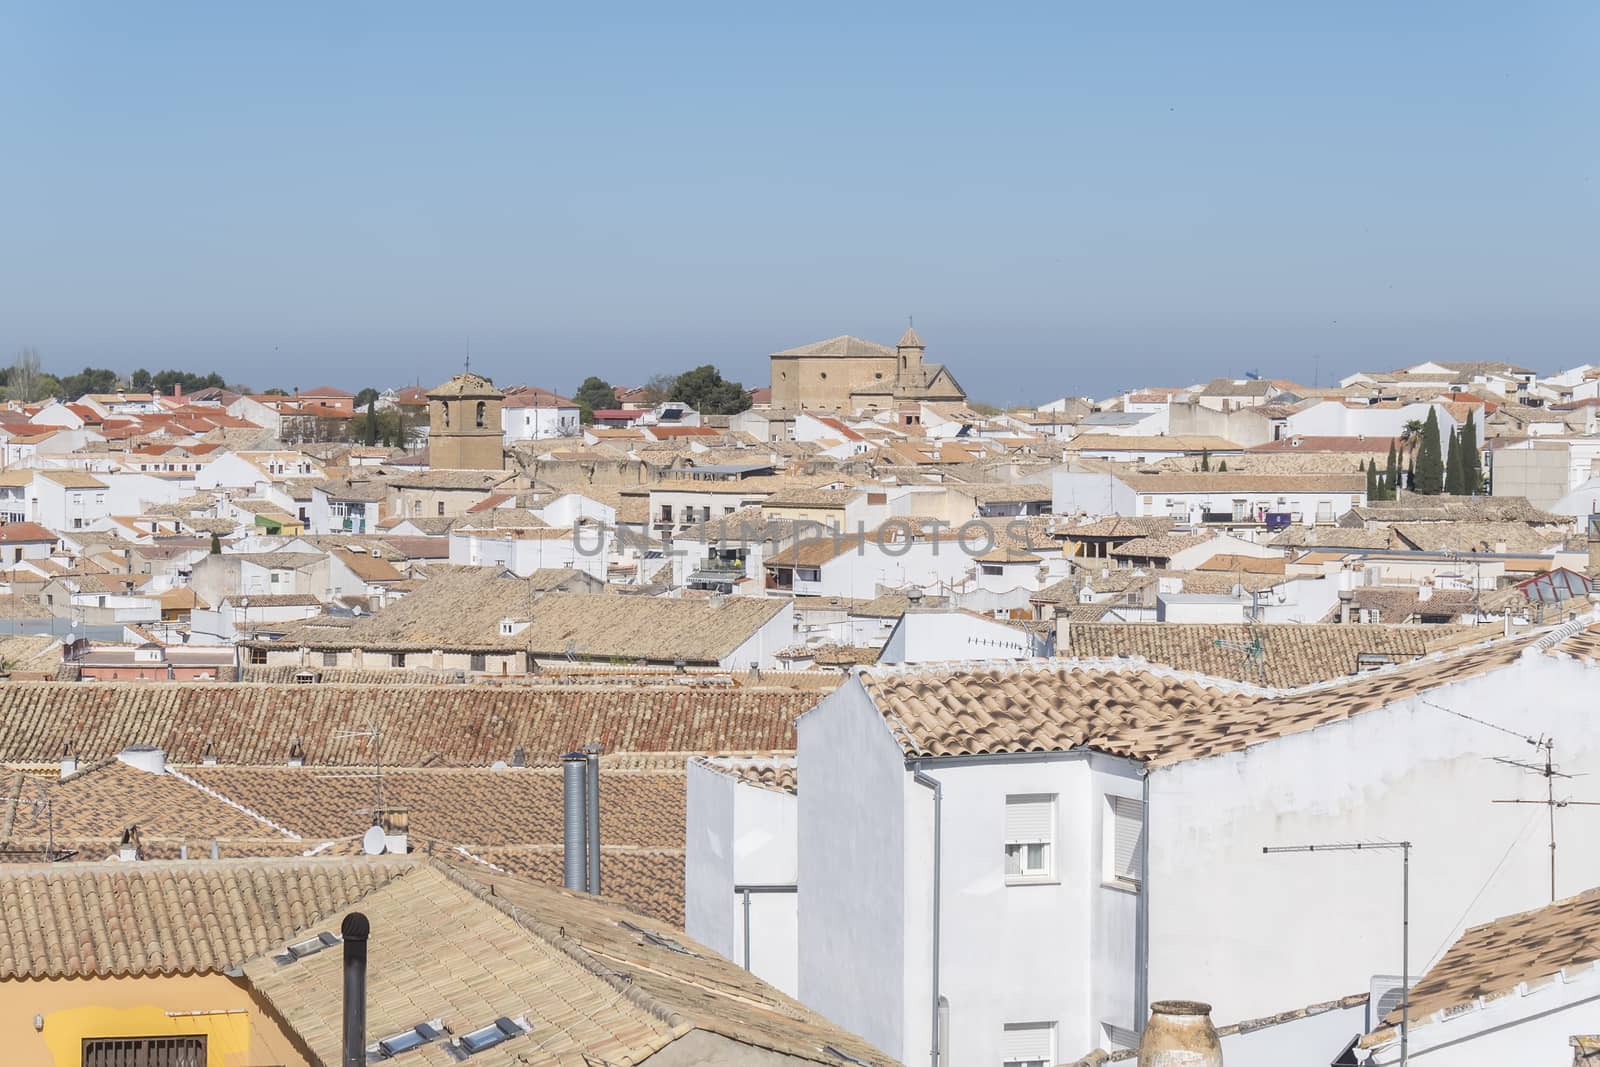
1069, 198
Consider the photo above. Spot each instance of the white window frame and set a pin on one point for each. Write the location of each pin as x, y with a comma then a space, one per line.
1112, 874
1018, 841
1028, 1045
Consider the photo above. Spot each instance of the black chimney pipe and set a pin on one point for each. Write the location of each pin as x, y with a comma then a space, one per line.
354, 930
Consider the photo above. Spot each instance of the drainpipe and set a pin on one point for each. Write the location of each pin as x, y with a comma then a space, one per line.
592, 812
1141, 963
574, 875
938, 814
355, 930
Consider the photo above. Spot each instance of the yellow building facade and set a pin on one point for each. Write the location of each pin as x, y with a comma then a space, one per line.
58, 1022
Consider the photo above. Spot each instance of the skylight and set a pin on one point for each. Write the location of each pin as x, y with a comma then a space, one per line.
299, 950
487, 1037
406, 1040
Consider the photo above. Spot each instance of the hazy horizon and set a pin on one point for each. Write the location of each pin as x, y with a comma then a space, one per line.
1069, 201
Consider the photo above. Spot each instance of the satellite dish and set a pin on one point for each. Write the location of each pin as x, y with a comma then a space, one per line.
372, 841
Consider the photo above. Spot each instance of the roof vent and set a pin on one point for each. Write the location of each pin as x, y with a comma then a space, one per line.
128, 847
209, 757
297, 754
519, 757
147, 758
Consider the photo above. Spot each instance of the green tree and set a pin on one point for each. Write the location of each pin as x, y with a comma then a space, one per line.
91, 380
597, 394
1430, 458
1471, 457
1222, 468
366, 397
139, 381
705, 390
1205, 459
216, 544
1373, 491
1391, 473
1453, 474
372, 420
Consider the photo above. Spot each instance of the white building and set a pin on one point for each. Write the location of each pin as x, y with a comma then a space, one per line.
1337, 418
67, 500
535, 414
934, 635
743, 872
525, 549
1223, 497
1101, 827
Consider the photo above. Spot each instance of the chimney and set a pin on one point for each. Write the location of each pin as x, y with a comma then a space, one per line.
69, 762
128, 847
297, 755
1180, 1034
147, 758
574, 867
519, 757
355, 930
395, 823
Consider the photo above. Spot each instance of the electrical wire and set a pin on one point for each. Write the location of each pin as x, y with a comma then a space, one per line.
1516, 839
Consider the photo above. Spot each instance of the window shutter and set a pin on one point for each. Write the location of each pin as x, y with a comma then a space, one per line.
1128, 815
1030, 817
1028, 1042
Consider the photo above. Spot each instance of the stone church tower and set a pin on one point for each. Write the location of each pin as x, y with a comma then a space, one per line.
464, 425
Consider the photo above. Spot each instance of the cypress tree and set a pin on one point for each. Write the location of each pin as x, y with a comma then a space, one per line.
1391, 473
1205, 459
372, 422
1430, 458
1411, 473
1471, 458
1452, 468
1373, 492
1223, 469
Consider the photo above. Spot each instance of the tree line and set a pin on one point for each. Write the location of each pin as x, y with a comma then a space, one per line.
1435, 462
26, 380
703, 388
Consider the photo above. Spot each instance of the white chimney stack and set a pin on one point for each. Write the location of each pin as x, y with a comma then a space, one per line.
147, 758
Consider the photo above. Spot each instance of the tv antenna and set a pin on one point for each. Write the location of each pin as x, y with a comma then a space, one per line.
1253, 651
1549, 772
48, 804
374, 733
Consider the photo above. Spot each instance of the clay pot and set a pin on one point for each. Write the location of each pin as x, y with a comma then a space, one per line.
1180, 1034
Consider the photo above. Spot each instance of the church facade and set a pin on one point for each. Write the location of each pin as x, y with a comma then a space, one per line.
850, 375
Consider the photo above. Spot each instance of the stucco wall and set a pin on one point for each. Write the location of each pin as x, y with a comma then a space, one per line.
1255, 934
239, 1032
852, 869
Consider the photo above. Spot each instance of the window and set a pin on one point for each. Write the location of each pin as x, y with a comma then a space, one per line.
1124, 841
1324, 511
330, 659
479, 662
258, 657
441, 507
1028, 1045
992, 568
1030, 830
446, 411
397, 659
482, 410
188, 1051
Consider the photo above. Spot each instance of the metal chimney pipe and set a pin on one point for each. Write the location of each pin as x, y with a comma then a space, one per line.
354, 930
592, 806
574, 872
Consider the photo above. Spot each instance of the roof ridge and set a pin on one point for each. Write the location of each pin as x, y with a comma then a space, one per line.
208, 791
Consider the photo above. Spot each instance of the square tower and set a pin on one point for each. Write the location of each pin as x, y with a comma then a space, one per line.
464, 425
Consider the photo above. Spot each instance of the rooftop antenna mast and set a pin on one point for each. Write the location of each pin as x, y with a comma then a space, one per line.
1254, 652
1549, 773
374, 733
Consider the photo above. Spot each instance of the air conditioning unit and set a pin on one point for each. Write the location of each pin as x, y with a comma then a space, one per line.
1385, 990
